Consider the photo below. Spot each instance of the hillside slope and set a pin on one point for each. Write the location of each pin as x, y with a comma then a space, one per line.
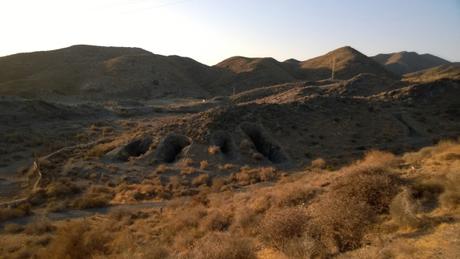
101, 72
348, 63
243, 73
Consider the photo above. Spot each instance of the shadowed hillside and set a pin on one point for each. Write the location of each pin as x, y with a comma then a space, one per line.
101, 72
91, 72
245, 73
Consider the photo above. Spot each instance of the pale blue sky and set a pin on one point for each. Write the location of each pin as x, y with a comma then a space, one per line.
210, 31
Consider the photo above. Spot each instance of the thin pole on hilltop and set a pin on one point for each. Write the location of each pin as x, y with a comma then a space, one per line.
333, 68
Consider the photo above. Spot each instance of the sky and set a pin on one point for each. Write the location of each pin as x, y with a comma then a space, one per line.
210, 31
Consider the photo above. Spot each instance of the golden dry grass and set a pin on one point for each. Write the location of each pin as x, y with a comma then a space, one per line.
356, 211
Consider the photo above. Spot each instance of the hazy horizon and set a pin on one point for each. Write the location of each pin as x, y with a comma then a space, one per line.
210, 32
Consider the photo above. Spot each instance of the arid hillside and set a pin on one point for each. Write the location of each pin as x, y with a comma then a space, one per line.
101, 73
348, 63
84, 72
244, 73
407, 62
120, 153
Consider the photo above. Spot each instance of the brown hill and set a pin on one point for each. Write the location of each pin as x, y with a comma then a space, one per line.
248, 73
243, 73
92, 72
406, 62
348, 63
101, 72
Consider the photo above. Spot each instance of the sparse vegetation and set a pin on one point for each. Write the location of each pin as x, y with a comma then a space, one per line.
38, 227
20, 210
314, 215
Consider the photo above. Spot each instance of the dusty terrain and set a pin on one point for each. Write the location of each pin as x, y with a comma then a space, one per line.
104, 161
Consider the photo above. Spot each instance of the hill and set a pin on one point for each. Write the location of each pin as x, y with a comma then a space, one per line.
83, 72
243, 73
101, 72
348, 63
407, 62
248, 73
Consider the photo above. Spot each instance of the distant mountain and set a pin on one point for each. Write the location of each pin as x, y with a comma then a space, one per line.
98, 73
348, 63
248, 73
101, 72
407, 62
245, 73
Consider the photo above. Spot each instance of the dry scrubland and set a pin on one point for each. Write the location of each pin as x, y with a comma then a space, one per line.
383, 206
120, 156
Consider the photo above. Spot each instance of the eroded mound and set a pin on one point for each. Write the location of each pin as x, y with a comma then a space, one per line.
264, 144
223, 140
170, 147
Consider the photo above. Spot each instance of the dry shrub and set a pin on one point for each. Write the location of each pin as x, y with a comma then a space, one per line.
95, 197
102, 149
92, 201
444, 150
223, 245
247, 219
61, 189
305, 247
376, 159
184, 218
318, 163
161, 169
56, 206
186, 162
200, 180
218, 183
12, 228
20, 210
226, 167
155, 252
426, 194
342, 215
212, 150
217, 220
279, 226
294, 194
185, 240
188, 170
78, 240
451, 196
119, 213
39, 226
267, 174
403, 209
247, 176
204, 164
